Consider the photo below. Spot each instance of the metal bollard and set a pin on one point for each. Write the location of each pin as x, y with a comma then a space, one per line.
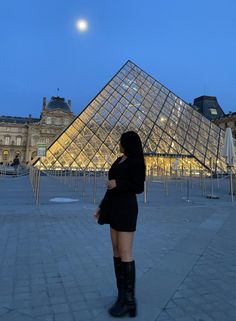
145, 192
70, 178
204, 185
187, 199
166, 185
38, 187
94, 187
84, 183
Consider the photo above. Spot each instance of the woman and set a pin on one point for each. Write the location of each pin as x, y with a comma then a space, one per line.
119, 208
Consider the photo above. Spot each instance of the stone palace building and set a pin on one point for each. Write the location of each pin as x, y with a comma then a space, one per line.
20, 135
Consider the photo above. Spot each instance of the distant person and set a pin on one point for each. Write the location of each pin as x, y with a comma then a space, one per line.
119, 208
16, 162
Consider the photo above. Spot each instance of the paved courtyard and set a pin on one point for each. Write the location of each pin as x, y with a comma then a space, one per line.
56, 261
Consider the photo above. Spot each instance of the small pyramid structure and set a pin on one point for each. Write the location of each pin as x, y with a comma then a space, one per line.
133, 100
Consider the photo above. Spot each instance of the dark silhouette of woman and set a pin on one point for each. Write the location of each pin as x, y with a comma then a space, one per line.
119, 208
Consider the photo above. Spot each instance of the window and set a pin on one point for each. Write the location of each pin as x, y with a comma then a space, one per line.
34, 140
18, 141
7, 140
48, 120
57, 121
5, 155
47, 140
213, 111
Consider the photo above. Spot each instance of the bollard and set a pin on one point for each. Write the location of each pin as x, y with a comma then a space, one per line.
70, 178
187, 199
94, 186
75, 179
145, 192
166, 184
181, 178
84, 182
65, 176
204, 185
217, 179
38, 187
201, 181
190, 176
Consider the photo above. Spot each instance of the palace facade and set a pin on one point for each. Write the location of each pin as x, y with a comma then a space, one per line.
20, 135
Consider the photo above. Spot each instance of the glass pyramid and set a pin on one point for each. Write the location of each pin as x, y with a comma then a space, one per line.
133, 100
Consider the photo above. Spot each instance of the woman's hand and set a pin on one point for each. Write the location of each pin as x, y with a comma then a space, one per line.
97, 213
111, 184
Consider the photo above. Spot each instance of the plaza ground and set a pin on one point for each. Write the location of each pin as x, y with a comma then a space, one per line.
56, 261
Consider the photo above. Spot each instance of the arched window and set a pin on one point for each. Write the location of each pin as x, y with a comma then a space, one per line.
5, 155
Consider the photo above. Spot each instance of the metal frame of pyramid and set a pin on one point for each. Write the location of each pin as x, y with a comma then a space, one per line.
133, 100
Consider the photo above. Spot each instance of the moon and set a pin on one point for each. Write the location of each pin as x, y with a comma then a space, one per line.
82, 25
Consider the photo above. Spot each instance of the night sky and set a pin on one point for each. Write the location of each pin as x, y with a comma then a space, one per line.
189, 46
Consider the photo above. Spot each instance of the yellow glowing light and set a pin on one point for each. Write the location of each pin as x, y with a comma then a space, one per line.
82, 25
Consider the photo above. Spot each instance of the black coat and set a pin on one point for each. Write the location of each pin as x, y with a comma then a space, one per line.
119, 207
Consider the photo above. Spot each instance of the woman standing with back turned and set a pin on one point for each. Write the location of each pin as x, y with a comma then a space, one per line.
119, 208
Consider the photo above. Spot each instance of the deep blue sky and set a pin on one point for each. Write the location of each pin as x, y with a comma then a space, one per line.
189, 46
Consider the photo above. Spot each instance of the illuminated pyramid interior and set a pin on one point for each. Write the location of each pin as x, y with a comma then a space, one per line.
172, 132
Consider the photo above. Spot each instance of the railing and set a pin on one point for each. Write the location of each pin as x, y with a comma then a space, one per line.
90, 183
13, 171
78, 179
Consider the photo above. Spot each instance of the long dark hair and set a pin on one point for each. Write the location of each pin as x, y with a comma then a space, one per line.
132, 145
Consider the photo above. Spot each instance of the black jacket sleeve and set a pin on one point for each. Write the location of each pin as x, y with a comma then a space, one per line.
134, 179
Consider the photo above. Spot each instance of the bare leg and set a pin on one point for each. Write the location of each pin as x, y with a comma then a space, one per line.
125, 244
114, 241
122, 243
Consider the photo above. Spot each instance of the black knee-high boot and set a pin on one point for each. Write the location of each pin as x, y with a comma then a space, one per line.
120, 285
128, 303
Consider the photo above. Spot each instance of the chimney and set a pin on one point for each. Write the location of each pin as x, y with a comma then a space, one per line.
44, 103
69, 102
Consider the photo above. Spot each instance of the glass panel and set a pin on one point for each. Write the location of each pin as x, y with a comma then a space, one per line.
120, 90
71, 132
82, 160
99, 161
162, 119
89, 151
87, 133
78, 125
56, 149
66, 160
80, 141
112, 120
84, 117
95, 142
93, 126
73, 150
99, 102
64, 140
